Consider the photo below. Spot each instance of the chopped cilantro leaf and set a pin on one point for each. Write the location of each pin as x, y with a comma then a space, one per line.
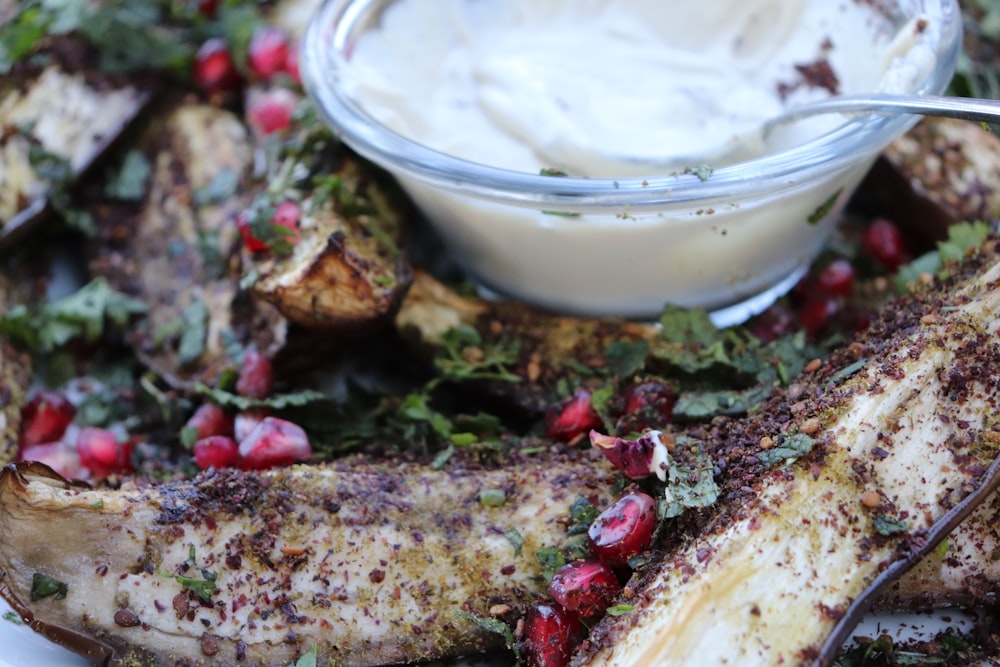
690, 480
43, 586
203, 588
625, 357
276, 401
494, 625
824, 209
307, 659
492, 497
790, 447
79, 315
12, 617
886, 525
620, 609
129, 183
516, 540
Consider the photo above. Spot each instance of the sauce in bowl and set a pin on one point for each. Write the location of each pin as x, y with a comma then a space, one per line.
652, 115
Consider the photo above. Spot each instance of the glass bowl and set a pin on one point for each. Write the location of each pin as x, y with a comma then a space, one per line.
729, 240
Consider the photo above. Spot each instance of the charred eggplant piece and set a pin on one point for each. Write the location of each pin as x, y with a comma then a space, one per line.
347, 269
179, 253
15, 379
55, 124
891, 445
368, 564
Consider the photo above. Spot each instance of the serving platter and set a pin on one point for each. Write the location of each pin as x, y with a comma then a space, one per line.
21, 647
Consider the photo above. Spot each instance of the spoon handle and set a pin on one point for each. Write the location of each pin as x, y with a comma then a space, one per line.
965, 108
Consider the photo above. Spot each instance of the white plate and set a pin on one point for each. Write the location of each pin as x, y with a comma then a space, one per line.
21, 647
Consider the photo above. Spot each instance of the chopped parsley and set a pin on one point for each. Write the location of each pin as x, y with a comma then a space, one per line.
43, 586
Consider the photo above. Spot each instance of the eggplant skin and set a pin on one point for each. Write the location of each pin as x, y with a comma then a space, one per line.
15, 379
366, 563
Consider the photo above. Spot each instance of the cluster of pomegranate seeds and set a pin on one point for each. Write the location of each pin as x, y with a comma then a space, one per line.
883, 241
550, 635
101, 453
623, 530
214, 69
571, 417
44, 418
585, 587
252, 439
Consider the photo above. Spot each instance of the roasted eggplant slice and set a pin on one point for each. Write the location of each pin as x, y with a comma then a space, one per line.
828, 498
15, 378
179, 254
345, 270
942, 172
538, 350
368, 564
54, 126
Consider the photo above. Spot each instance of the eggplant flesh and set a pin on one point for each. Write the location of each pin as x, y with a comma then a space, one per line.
368, 564
904, 447
67, 115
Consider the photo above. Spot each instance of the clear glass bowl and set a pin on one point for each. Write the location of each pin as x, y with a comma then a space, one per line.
730, 243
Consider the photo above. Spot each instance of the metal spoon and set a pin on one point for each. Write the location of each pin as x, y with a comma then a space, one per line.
965, 108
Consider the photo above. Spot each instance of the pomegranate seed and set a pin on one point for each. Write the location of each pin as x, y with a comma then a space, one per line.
214, 70
217, 451
587, 587
246, 422
648, 404
208, 8
816, 315
275, 442
549, 636
773, 323
837, 279
288, 214
571, 417
101, 453
272, 111
44, 418
637, 459
210, 419
57, 455
884, 242
256, 375
625, 529
267, 52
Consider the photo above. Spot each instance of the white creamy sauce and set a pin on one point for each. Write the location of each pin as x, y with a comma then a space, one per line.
619, 88
598, 88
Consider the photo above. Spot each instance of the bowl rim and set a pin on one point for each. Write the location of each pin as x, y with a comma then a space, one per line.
858, 139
